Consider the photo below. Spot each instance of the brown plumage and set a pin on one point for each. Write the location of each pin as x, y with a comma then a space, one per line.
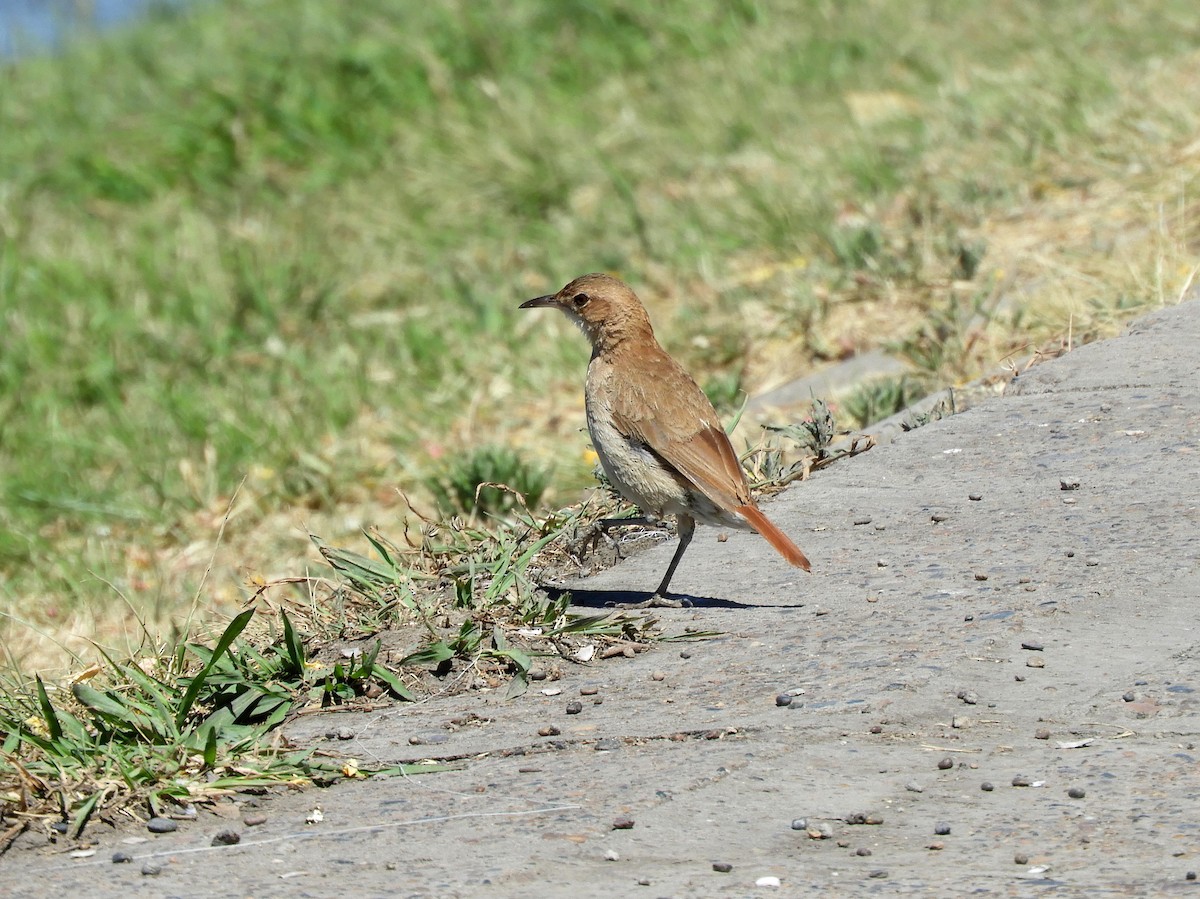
657, 435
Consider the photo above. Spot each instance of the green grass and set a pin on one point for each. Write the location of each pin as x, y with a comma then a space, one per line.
189, 719
284, 242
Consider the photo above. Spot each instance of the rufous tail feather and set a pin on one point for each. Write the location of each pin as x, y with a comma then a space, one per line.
777, 538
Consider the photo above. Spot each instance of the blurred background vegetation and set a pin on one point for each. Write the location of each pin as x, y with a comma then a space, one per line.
260, 259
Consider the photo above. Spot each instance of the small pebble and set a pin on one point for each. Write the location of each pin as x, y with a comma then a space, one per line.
881, 563
427, 738
1068, 484
970, 697
941, 830
121, 858
1035, 663
1041, 734
799, 824
873, 818
588, 691
843, 844
937, 845
1020, 781
879, 874
767, 882
938, 517
537, 673
860, 521
913, 787
1140, 683
643, 881
822, 831
1020, 678
1190, 875
1070, 553
876, 728
608, 744
722, 867
612, 855
945, 764
549, 730
226, 837
974, 497
622, 822
783, 699
864, 852
1091, 563
62, 826
151, 869
1020, 859
161, 825
968, 617
574, 707
980, 576
1032, 645
254, 820
986, 786
1076, 793
1130, 696
685, 654
345, 733
658, 675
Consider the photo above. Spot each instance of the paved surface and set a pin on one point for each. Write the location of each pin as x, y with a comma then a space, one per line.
942, 561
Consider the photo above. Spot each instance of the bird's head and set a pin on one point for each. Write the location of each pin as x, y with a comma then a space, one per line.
605, 309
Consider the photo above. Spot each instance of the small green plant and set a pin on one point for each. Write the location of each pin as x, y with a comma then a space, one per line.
943, 343
876, 400
490, 480
169, 730
944, 408
475, 593
814, 433
800, 448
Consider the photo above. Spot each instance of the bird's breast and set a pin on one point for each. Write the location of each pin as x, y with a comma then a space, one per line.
639, 474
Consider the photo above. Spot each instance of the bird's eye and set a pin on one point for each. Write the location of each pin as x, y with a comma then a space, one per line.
580, 300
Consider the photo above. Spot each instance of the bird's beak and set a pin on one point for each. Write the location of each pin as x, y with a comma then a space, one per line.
539, 302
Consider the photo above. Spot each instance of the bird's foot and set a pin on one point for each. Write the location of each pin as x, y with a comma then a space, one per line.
657, 601
589, 541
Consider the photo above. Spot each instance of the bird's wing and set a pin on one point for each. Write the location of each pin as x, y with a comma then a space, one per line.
671, 415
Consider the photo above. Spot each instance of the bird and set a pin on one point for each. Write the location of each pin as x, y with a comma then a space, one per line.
658, 438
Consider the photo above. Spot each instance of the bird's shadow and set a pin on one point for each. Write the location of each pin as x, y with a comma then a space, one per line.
611, 600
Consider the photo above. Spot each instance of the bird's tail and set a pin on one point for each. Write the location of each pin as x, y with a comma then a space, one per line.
777, 538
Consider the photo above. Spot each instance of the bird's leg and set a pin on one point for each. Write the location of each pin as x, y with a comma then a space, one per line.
686, 525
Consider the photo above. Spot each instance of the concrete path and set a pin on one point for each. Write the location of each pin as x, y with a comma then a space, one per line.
994, 670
